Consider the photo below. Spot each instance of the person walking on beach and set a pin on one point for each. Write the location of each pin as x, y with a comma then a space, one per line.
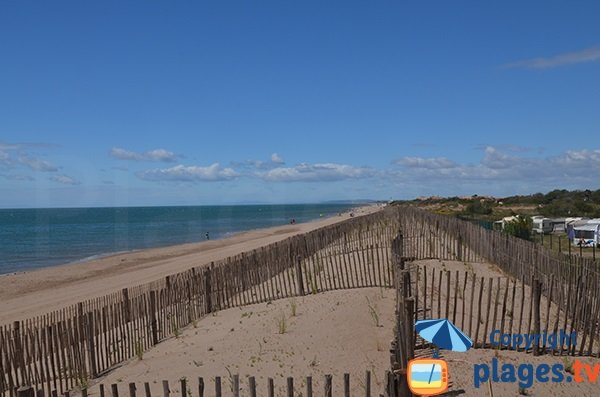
207, 236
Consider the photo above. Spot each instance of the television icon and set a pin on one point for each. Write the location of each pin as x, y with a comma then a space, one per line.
427, 376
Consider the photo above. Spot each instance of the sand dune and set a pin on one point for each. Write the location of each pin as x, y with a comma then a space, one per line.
329, 333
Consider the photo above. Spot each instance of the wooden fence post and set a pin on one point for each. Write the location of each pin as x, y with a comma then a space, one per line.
389, 385
537, 294
410, 328
406, 284
218, 386
132, 389
126, 305
25, 391
166, 390
183, 382
346, 385
236, 385
299, 280
153, 323
400, 250
18, 347
89, 321
207, 290
328, 386
270, 388
252, 386
405, 346
200, 386
290, 386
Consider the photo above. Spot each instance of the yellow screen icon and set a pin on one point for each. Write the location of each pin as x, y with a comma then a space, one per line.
427, 376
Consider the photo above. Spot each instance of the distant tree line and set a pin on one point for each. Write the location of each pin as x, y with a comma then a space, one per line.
561, 202
557, 203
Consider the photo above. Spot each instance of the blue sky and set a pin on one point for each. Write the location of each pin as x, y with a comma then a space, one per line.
161, 103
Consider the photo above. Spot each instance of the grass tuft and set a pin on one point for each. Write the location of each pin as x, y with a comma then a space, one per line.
293, 307
373, 312
139, 350
282, 324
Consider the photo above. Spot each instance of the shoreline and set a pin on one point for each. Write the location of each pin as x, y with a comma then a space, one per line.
91, 256
30, 293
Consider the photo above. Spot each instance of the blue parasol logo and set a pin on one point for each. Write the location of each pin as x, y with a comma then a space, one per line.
443, 334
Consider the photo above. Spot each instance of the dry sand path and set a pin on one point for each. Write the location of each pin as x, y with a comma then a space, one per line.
330, 333
29, 294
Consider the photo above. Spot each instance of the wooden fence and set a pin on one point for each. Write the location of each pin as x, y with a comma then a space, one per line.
63, 349
569, 283
403, 344
230, 385
543, 292
479, 305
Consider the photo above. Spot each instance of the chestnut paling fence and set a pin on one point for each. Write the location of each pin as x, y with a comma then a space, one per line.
543, 292
64, 349
232, 385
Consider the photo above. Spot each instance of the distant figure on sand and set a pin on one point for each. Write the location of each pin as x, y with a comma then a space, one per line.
293, 221
207, 236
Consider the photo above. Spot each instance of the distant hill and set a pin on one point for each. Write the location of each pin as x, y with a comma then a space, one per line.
365, 201
557, 203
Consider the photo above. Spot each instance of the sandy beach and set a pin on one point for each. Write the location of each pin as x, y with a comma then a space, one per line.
28, 294
329, 333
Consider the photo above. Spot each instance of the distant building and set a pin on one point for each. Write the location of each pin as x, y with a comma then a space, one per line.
571, 222
499, 225
558, 225
587, 235
541, 225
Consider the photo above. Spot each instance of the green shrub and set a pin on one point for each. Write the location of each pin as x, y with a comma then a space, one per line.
520, 227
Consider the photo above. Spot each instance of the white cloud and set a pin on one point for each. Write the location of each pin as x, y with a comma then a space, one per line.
277, 159
193, 173
428, 163
586, 158
512, 148
14, 155
18, 177
494, 159
580, 166
586, 55
325, 172
4, 157
37, 164
258, 164
64, 179
151, 155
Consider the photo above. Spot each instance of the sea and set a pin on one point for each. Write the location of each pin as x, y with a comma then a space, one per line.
43, 237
